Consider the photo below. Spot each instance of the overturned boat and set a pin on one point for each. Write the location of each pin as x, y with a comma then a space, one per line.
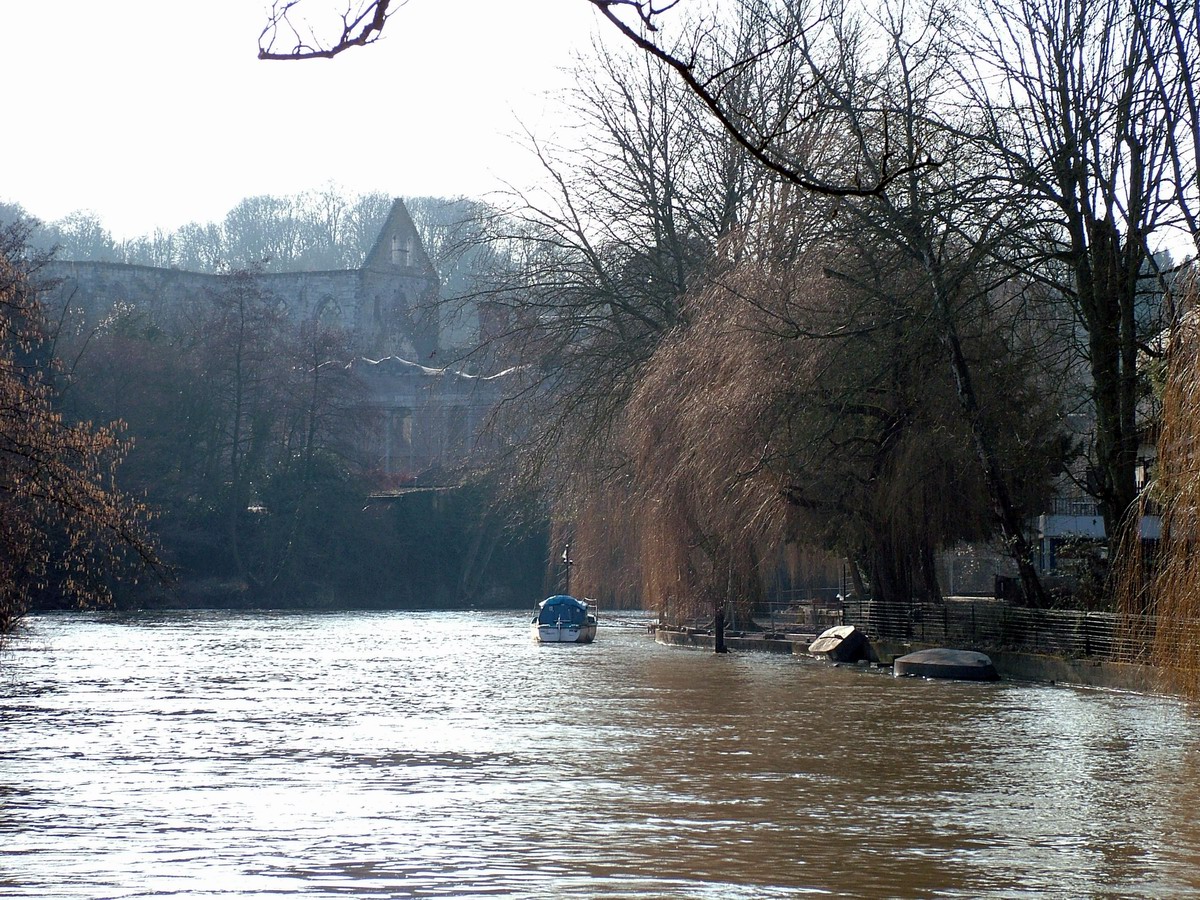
842, 644
563, 619
945, 662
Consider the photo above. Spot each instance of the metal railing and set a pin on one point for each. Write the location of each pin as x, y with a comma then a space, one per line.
812, 612
1074, 506
986, 624
974, 623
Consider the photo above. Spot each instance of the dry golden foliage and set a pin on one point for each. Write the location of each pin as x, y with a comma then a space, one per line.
698, 509
1161, 596
65, 528
794, 409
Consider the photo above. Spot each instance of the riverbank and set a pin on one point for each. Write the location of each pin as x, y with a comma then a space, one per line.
1011, 665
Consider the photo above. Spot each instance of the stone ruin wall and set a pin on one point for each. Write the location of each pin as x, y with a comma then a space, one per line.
388, 313
430, 417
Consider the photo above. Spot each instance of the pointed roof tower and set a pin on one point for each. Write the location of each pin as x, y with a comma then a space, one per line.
399, 247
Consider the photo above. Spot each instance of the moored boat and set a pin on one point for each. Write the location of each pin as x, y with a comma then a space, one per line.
946, 662
842, 644
563, 619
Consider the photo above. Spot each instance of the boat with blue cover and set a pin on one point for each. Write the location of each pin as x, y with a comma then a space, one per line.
563, 619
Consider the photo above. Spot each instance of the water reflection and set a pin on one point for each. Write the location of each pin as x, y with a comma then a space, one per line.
423, 755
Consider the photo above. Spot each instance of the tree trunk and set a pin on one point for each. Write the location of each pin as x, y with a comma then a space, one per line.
891, 585
1011, 531
1107, 287
929, 573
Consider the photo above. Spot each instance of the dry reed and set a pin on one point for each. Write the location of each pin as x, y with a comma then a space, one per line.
1160, 596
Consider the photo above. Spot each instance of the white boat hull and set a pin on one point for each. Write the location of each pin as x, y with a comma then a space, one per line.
565, 633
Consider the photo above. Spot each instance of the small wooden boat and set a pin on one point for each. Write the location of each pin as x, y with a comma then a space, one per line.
562, 619
842, 643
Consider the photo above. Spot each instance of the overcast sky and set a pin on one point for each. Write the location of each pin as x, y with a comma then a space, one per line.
154, 113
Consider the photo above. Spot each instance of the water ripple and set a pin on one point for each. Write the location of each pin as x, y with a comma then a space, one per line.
421, 755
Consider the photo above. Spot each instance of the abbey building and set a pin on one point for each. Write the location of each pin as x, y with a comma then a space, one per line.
429, 415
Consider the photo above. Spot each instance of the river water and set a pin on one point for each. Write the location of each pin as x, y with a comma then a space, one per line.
272, 755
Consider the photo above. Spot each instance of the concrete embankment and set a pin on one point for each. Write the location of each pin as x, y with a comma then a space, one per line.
1009, 664
737, 640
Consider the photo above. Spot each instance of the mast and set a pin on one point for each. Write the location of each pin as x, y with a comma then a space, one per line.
567, 563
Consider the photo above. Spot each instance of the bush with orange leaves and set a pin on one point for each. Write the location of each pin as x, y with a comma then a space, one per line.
66, 530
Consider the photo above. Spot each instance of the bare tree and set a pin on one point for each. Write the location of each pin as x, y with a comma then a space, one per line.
885, 75
807, 402
1091, 116
950, 224
81, 235
703, 66
593, 269
1096, 133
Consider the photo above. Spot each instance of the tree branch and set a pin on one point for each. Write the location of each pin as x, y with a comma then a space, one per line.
358, 29
757, 149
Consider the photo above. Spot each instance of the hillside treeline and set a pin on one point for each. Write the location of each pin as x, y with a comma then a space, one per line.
321, 230
314, 230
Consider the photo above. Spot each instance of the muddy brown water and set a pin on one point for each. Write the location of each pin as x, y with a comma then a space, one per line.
419, 755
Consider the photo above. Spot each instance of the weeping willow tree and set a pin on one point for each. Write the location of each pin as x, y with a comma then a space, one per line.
590, 518
1167, 585
804, 407
705, 514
